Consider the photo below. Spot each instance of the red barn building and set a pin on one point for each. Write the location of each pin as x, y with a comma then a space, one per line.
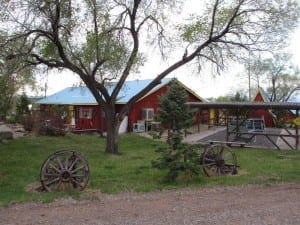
267, 115
84, 113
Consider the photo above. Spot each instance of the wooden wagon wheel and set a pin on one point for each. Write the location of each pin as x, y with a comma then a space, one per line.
218, 160
64, 171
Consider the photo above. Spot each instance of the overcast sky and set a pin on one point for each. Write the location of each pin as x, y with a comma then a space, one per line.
204, 84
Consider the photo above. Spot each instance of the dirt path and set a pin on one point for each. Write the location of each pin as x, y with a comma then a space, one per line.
252, 204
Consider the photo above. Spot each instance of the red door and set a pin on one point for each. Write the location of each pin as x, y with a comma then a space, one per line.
84, 115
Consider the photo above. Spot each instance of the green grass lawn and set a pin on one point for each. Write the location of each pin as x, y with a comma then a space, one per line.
131, 170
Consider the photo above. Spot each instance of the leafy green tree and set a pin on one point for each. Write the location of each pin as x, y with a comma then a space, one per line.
238, 96
104, 41
277, 73
12, 80
7, 95
223, 98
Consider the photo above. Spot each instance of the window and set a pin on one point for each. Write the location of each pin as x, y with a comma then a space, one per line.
85, 113
147, 114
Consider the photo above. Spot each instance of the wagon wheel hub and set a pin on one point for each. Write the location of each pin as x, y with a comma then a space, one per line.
66, 176
219, 160
220, 163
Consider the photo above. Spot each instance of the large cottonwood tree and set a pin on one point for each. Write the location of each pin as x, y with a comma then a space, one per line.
13, 78
277, 73
106, 40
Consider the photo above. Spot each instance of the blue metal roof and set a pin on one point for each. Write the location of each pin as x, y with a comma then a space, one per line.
83, 96
70, 96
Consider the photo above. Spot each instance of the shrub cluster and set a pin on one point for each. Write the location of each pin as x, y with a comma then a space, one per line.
50, 128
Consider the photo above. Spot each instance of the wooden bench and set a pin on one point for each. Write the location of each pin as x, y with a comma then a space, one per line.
228, 143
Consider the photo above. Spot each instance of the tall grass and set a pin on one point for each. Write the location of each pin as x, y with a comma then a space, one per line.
131, 170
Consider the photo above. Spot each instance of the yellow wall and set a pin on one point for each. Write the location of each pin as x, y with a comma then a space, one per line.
212, 115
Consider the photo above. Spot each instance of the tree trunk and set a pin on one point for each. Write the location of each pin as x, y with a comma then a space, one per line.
112, 139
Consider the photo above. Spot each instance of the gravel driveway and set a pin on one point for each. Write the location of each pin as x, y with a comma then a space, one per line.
275, 204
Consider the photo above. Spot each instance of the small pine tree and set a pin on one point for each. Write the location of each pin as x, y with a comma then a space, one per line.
175, 116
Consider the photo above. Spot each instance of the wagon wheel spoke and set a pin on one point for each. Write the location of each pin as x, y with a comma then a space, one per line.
77, 169
66, 163
79, 176
229, 157
61, 166
51, 174
77, 183
208, 162
211, 164
230, 162
54, 167
64, 170
73, 163
218, 171
212, 171
208, 159
50, 182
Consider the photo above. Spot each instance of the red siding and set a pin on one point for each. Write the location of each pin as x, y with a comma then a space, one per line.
258, 98
268, 117
88, 117
262, 113
152, 101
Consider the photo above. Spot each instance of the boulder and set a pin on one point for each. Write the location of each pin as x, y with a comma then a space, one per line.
6, 135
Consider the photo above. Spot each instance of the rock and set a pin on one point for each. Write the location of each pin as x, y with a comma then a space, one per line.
17, 130
6, 135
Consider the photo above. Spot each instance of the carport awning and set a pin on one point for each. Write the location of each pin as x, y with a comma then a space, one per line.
246, 105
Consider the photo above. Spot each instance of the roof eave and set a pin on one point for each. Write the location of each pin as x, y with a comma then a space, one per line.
246, 105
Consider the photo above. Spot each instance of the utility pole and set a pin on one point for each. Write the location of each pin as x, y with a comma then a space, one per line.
249, 76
